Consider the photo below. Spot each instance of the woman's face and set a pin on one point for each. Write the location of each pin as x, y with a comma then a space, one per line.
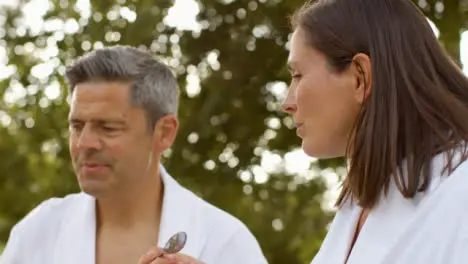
323, 103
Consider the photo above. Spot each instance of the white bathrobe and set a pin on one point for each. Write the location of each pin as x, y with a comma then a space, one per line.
63, 231
430, 229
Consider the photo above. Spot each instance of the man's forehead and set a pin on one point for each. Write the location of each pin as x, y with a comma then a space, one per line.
103, 101
98, 109
97, 116
99, 95
101, 90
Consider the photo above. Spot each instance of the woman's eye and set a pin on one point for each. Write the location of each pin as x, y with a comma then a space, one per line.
296, 76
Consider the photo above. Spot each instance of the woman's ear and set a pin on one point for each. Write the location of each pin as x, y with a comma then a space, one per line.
362, 69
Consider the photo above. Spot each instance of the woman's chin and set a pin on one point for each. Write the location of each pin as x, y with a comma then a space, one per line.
320, 150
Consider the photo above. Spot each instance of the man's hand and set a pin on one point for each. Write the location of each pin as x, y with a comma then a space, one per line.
180, 258
157, 253
152, 257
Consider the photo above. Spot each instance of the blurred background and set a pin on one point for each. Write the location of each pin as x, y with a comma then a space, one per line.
235, 149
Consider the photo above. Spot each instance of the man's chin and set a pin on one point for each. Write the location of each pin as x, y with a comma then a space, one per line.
95, 188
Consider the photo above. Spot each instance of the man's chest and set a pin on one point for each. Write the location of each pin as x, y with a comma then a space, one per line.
123, 248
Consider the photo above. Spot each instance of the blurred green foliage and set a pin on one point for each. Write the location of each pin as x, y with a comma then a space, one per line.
239, 56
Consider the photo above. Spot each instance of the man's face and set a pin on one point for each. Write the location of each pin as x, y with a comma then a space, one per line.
110, 146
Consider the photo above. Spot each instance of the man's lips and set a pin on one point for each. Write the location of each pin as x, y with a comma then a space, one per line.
93, 164
93, 167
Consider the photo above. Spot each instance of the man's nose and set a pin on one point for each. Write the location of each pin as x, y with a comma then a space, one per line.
88, 139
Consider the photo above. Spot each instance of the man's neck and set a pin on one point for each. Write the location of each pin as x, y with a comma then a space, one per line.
127, 225
139, 207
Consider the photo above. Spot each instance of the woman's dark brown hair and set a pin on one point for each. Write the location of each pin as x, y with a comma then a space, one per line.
418, 106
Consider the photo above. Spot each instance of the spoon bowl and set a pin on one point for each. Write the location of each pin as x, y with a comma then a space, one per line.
175, 243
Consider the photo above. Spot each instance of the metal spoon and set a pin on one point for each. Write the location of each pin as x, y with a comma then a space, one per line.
175, 243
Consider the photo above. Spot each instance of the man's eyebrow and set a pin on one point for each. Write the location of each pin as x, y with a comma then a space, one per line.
109, 121
99, 120
73, 119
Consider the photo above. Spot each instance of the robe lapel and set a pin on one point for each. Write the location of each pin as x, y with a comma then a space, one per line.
390, 220
384, 229
76, 242
180, 212
336, 245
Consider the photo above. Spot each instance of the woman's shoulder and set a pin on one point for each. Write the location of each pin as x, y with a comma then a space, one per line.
452, 171
449, 168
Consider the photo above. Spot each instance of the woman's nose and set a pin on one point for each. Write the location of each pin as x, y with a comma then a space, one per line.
289, 105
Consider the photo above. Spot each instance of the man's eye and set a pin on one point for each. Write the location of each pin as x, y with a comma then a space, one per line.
109, 129
76, 127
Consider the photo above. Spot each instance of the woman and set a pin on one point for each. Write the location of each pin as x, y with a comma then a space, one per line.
370, 82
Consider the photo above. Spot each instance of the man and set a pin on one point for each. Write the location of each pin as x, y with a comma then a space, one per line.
122, 118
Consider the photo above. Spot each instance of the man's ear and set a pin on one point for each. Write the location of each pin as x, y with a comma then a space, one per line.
165, 132
362, 70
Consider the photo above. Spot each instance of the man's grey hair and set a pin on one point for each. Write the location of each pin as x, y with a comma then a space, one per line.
153, 86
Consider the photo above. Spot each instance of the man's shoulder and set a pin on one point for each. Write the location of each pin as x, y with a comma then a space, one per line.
227, 235
214, 216
41, 226
222, 226
48, 213
194, 205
